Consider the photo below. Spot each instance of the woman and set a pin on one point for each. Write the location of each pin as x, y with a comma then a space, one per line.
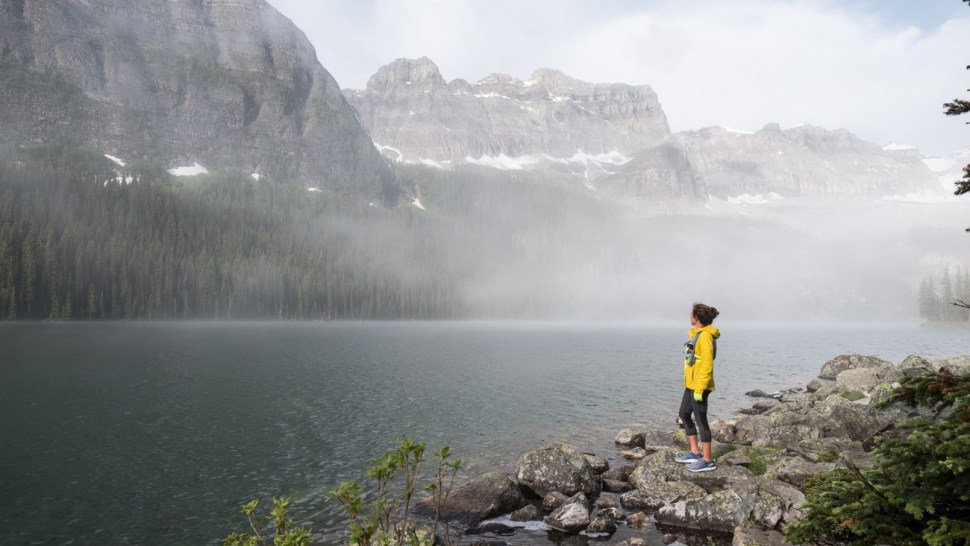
698, 384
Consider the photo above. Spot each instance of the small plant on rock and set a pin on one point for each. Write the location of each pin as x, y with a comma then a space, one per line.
386, 521
283, 534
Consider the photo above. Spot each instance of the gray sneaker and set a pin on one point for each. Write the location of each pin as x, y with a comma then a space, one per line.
700, 465
688, 457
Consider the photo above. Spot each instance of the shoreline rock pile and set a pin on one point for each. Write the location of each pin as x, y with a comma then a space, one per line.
765, 455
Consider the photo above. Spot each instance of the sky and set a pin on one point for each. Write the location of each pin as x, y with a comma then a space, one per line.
881, 69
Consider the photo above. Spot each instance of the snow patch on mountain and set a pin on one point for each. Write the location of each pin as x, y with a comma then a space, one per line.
757, 199
191, 170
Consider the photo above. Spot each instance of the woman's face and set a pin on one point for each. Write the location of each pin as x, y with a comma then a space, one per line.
694, 322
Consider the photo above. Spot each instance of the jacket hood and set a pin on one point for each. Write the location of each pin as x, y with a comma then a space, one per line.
710, 328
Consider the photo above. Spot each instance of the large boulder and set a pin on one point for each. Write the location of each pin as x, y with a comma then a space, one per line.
561, 468
865, 380
658, 493
659, 466
837, 417
832, 368
486, 496
719, 512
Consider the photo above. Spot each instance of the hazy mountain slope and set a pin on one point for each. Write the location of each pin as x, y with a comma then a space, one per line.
232, 85
803, 161
551, 120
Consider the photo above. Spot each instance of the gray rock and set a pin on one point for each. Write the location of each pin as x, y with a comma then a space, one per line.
818, 383
659, 466
631, 437
660, 493
616, 486
751, 535
486, 496
557, 468
633, 454
757, 393
573, 516
527, 513
725, 476
718, 512
598, 464
619, 473
553, 500
797, 471
865, 380
639, 521
602, 525
832, 368
914, 365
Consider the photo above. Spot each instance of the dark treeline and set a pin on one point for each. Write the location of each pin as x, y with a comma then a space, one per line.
937, 297
80, 239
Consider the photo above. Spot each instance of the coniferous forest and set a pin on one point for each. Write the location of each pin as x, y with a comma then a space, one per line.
81, 240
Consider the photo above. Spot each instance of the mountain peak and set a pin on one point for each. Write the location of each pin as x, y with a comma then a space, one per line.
421, 72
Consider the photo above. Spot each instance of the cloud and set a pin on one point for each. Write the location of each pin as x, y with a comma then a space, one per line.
867, 68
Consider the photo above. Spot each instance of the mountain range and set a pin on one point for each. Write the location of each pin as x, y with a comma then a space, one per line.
616, 138
429, 198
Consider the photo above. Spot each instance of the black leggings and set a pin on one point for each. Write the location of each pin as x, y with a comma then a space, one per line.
690, 406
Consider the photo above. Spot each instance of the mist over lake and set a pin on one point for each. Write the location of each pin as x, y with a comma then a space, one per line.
155, 433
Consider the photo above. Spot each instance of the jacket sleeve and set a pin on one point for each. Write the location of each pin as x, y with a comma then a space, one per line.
704, 367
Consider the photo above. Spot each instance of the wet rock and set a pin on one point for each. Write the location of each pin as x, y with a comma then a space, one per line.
486, 496
557, 468
605, 502
631, 437
571, 517
818, 384
635, 453
639, 521
602, 525
616, 486
598, 464
619, 473
527, 513
615, 513
553, 500
492, 528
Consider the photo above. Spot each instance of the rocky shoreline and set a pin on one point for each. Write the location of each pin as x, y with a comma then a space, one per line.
640, 495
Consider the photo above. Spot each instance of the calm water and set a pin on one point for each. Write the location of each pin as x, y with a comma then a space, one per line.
155, 433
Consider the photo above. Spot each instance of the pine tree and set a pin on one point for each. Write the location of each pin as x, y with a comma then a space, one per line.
956, 108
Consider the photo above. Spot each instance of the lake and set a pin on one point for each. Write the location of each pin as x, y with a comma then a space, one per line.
155, 433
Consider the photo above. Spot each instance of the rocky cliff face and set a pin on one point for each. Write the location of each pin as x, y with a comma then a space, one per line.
230, 84
803, 161
551, 121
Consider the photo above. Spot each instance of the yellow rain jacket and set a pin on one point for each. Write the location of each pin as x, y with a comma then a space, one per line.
699, 376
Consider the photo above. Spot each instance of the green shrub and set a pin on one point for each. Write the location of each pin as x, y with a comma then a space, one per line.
284, 534
385, 521
918, 492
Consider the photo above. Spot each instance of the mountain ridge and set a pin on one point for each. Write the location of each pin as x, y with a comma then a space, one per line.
615, 137
232, 85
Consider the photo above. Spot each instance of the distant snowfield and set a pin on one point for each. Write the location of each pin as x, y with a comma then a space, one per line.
758, 199
115, 159
192, 170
